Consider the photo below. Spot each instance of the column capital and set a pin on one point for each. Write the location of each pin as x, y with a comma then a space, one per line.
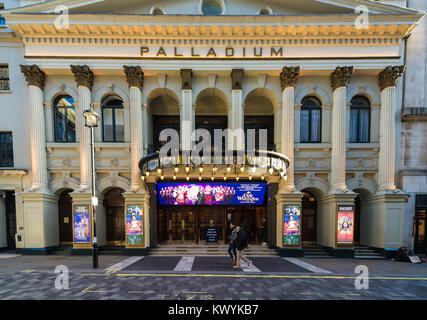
289, 76
389, 76
237, 79
341, 77
83, 75
34, 76
134, 76
186, 75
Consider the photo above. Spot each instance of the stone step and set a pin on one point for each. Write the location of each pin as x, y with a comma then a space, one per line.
368, 257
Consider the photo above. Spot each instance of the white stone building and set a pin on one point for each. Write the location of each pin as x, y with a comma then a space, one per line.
323, 77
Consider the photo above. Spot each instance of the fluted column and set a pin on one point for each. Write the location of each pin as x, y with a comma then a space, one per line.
386, 163
339, 81
288, 79
186, 110
36, 81
135, 78
237, 111
84, 78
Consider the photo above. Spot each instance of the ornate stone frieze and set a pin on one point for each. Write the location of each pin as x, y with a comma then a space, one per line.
389, 76
289, 76
134, 76
237, 79
83, 75
341, 77
34, 76
186, 75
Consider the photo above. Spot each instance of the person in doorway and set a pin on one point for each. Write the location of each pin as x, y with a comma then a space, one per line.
231, 248
264, 231
241, 243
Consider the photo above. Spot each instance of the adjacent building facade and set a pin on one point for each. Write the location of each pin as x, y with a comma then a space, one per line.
326, 80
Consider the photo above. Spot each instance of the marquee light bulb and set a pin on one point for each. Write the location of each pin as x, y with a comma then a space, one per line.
271, 170
159, 171
262, 177
188, 178
242, 168
228, 169
201, 169
143, 178
187, 169
200, 178
212, 178
253, 169
215, 169
162, 177
147, 173
237, 178
225, 178
250, 178
174, 177
176, 169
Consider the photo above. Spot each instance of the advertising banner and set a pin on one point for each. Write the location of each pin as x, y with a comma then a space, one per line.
81, 224
345, 225
292, 225
211, 193
134, 225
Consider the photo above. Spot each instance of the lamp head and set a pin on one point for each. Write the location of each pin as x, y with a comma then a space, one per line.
91, 117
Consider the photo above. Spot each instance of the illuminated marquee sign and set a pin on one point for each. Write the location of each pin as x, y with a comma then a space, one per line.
211, 193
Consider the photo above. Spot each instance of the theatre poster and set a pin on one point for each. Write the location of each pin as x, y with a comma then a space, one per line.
345, 225
292, 226
134, 226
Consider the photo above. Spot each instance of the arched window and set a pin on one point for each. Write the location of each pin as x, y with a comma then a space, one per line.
311, 120
211, 8
359, 119
157, 10
265, 11
113, 119
65, 119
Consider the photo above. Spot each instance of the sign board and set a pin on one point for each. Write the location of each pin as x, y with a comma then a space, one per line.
82, 217
345, 225
134, 226
211, 193
211, 234
292, 226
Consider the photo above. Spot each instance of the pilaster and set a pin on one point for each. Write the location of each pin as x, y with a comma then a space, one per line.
186, 109
237, 111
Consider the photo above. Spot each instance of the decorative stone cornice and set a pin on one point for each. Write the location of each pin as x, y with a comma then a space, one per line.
34, 76
83, 75
237, 79
341, 77
389, 76
186, 75
134, 76
289, 76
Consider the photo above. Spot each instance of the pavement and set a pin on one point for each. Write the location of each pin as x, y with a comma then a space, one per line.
208, 278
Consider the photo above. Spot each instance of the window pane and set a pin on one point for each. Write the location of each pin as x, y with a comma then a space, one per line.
60, 127
71, 124
120, 128
364, 125
353, 125
107, 115
304, 127
315, 125
6, 150
211, 7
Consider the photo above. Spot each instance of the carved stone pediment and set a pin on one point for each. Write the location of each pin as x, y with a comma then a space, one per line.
134, 76
83, 75
389, 76
341, 77
34, 76
289, 76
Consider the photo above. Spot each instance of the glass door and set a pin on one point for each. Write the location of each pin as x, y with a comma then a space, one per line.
420, 245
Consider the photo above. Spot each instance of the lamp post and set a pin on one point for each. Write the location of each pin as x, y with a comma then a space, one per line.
91, 121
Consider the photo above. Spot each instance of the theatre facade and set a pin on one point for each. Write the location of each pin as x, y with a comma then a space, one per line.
320, 85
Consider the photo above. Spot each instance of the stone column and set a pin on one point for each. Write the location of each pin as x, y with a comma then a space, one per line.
84, 79
186, 109
339, 81
387, 158
36, 81
135, 79
288, 79
237, 111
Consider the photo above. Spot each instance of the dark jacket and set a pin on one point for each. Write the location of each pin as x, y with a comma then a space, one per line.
241, 241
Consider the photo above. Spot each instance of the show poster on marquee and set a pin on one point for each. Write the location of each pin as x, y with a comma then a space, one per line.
211, 193
292, 225
81, 224
345, 224
134, 226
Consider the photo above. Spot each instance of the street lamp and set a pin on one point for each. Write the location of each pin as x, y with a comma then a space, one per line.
91, 121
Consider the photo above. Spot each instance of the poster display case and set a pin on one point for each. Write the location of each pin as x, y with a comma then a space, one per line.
345, 226
82, 226
292, 226
134, 226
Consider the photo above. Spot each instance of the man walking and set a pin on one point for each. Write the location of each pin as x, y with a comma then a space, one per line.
231, 247
241, 243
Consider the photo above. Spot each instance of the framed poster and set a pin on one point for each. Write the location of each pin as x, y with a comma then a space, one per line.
82, 231
345, 225
292, 226
134, 225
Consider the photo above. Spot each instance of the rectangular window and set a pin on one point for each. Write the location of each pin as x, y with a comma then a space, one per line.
6, 149
4, 77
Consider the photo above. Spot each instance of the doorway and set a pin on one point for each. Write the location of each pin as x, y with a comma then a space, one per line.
309, 218
10, 219
65, 204
114, 204
420, 240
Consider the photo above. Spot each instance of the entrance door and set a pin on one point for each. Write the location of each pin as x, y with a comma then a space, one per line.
65, 218
214, 216
115, 217
420, 240
10, 219
181, 224
247, 217
357, 220
309, 218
